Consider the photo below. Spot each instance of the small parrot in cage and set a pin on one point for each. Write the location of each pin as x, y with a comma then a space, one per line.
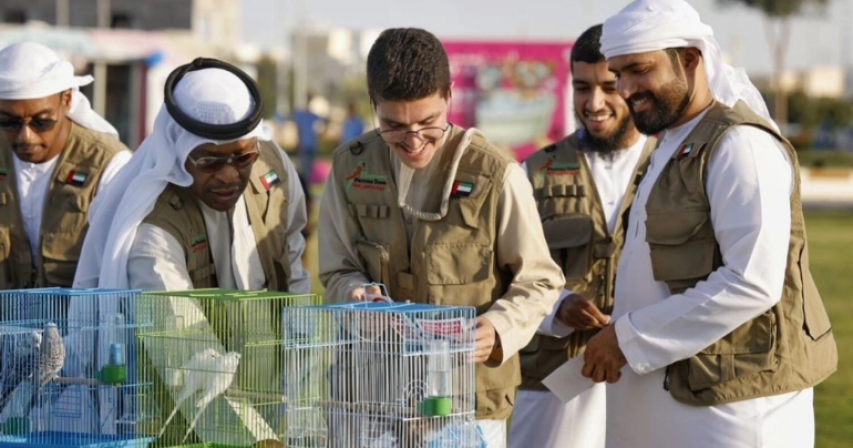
51, 359
51, 355
21, 352
207, 372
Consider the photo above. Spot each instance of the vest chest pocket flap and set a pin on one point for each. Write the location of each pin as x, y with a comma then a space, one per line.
468, 207
376, 259
555, 199
682, 246
375, 256
746, 350
569, 239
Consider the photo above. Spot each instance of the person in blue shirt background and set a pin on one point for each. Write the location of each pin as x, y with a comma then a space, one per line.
309, 126
353, 125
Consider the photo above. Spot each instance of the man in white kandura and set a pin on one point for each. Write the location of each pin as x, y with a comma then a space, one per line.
207, 201
56, 155
583, 186
719, 332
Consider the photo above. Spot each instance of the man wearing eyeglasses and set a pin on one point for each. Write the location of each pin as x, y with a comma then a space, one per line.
208, 200
438, 215
56, 153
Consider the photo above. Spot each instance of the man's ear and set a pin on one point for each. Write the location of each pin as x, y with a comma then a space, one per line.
65, 99
692, 57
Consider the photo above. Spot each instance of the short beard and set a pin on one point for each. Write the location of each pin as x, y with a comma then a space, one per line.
666, 109
606, 146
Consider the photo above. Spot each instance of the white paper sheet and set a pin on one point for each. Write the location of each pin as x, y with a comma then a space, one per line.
567, 382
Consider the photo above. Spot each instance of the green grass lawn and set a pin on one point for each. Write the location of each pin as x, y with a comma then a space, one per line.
831, 251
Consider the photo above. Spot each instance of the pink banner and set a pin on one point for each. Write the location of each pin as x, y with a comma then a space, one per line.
517, 93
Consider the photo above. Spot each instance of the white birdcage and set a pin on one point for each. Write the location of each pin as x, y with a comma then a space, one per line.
380, 375
68, 374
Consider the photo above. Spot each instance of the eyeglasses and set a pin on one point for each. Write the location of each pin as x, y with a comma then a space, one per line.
211, 164
38, 125
427, 134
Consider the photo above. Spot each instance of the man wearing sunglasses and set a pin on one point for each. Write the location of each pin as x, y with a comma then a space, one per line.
438, 215
208, 200
56, 153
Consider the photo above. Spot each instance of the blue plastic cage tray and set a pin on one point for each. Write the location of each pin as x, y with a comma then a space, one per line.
72, 440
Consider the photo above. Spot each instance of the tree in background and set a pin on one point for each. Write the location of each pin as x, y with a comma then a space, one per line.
267, 84
777, 25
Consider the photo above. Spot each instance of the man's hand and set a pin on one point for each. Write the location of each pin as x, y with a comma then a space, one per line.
358, 294
486, 339
579, 313
603, 357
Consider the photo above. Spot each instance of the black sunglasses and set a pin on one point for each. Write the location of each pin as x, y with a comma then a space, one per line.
38, 125
212, 164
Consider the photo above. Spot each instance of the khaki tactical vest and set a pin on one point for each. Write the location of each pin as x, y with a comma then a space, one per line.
788, 348
178, 211
447, 262
576, 230
65, 219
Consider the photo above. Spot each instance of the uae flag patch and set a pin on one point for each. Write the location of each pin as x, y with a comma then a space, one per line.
3, 173
462, 189
199, 242
684, 151
76, 178
270, 179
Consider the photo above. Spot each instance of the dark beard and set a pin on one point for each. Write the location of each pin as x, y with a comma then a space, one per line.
665, 110
606, 146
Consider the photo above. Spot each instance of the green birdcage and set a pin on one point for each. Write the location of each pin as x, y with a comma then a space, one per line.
217, 361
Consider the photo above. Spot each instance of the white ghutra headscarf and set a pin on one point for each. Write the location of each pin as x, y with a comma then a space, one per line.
653, 25
213, 96
30, 71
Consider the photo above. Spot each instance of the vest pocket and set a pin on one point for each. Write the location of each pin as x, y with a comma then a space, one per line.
458, 264
569, 239
60, 254
682, 246
376, 259
815, 319
204, 277
745, 351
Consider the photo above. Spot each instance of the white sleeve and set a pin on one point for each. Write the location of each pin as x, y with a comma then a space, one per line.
748, 185
116, 164
551, 326
156, 261
297, 218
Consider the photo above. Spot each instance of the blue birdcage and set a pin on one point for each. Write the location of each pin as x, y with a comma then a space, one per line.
216, 360
68, 368
380, 374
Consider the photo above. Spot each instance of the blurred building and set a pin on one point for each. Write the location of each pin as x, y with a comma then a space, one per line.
132, 51
819, 82
212, 20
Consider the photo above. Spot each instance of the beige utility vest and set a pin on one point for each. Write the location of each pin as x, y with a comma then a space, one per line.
576, 230
447, 262
788, 348
178, 211
64, 220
